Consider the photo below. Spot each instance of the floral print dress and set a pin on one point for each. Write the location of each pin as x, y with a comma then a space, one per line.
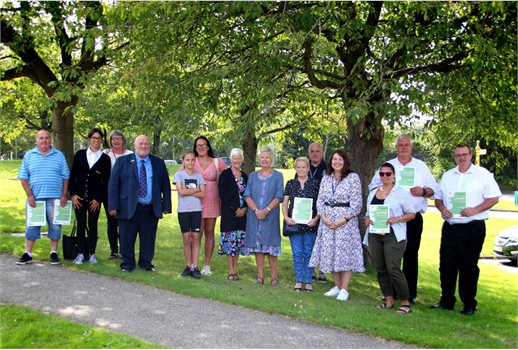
232, 242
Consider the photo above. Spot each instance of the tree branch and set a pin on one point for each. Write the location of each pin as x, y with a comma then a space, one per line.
308, 68
444, 66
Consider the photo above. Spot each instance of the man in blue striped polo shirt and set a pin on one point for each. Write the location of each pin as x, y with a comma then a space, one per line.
44, 175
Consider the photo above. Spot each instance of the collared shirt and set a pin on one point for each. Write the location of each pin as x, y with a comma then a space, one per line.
423, 178
479, 185
149, 181
45, 173
92, 156
399, 204
114, 157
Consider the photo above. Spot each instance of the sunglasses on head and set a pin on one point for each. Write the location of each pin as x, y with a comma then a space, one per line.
388, 173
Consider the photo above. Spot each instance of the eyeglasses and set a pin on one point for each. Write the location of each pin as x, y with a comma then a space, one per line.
95, 137
202, 146
387, 174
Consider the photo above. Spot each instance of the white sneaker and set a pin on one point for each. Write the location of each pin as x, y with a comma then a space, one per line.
343, 295
333, 292
92, 259
79, 259
206, 271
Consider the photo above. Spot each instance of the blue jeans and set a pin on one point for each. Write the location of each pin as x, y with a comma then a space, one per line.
33, 232
301, 247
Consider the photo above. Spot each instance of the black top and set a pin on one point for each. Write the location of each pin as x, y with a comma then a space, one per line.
231, 196
90, 183
310, 190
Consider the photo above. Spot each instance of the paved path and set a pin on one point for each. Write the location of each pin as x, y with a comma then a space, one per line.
163, 317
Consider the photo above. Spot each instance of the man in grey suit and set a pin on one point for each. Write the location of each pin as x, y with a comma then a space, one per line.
139, 193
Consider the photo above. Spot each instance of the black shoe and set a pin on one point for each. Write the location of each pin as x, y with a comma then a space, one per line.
412, 300
24, 259
443, 306
467, 311
150, 269
186, 272
196, 273
113, 256
54, 259
314, 276
322, 278
126, 270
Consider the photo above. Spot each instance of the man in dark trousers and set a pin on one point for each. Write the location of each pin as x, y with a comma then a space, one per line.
139, 193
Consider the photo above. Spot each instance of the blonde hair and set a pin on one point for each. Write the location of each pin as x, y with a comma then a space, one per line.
188, 152
301, 159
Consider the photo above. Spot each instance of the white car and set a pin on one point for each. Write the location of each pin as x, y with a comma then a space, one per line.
506, 243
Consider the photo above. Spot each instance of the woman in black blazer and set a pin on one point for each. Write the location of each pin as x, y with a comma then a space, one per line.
232, 184
88, 188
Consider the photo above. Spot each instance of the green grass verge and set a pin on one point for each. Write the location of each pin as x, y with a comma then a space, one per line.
494, 326
24, 328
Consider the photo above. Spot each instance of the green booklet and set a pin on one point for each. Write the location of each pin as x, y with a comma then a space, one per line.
36, 216
302, 210
405, 176
379, 214
456, 203
62, 216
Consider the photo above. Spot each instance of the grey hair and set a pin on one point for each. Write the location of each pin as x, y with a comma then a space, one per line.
404, 136
302, 159
237, 152
267, 149
117, 133
316, 143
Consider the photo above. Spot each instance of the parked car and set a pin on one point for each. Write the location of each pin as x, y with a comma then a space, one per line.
226, 160
506, 243
170, 161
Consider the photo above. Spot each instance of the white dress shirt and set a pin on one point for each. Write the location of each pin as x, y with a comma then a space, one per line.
93, 157
479, 185
423, 178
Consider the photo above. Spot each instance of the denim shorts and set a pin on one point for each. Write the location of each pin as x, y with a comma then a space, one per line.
33, 232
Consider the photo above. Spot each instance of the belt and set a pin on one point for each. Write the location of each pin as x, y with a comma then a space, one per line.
332, 205
143, 205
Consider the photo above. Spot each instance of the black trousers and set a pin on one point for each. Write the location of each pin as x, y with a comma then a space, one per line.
461, 245
112, 225
414, 230
144, 223
85, 216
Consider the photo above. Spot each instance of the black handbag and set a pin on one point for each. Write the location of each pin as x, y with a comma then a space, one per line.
70, 244
289, 230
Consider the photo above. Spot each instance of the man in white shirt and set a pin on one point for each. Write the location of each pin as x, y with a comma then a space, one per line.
414, 175
464, 197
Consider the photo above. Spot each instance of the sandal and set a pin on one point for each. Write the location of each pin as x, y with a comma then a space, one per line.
236, 277
259, 280
308, 288
275, 283
384, 306
404, 309
298, 287
230, 277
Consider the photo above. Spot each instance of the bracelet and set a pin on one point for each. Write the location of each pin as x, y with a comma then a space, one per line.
267, 208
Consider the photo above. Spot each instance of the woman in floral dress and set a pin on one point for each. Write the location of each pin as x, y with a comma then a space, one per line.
338, 246
232, 184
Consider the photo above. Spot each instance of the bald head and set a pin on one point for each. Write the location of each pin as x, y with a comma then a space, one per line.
142, 146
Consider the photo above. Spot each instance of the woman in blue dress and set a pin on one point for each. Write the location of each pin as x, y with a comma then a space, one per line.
263, 194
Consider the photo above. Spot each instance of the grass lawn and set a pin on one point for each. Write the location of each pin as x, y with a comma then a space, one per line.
24, 328
494, 326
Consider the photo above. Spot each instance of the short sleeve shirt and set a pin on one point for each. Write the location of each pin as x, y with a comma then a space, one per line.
188, 203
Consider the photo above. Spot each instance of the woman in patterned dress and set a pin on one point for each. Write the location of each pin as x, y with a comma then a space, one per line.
338, 246
263, 195
209, 167
232, 184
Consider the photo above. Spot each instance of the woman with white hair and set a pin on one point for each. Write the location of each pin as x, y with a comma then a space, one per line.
263, 195
231, 185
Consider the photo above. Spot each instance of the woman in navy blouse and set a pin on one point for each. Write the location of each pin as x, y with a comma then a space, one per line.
303, 239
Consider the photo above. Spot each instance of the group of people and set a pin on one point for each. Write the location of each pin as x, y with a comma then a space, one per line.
136, 192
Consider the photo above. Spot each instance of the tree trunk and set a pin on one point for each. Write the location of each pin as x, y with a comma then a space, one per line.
365, 143
63, 128
250, 143
156, 142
